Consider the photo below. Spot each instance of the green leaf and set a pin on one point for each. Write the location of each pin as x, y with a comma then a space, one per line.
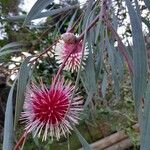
88, 75
147, 3
55, 11
84, 143
8, 124
111, 58
100, 47
139, 57
119, 62
42, 14
145, 130
24, 74
88, 99
72, 21
87, 13
9, 51
104, 84
36, 9
147, 23
15, 18
11, 46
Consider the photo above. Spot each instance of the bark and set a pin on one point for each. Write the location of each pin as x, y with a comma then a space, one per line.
116, 141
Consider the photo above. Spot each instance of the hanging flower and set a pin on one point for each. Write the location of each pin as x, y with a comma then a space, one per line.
51, 111
65, 46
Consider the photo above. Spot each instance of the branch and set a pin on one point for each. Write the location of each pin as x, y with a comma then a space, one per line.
103, 13
121, 45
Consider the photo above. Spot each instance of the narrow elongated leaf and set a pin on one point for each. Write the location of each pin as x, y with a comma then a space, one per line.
71, 21
21, 87
115, 21
139, 56
87, 13
54, 12
84, 143
145, 130
36, 9
88, 75
119, 62
59, 26
9, 51
111, 58
104, 84
99, 56
11, 46
147, 3
15, 18
42, 14
138, 10
89, 79
88, 99
8, 124
98, 29
147, 23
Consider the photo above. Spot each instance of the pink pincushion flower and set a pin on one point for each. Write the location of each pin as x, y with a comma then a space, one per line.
50, 111
65, 46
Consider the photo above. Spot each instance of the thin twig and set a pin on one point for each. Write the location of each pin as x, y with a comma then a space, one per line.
42, 53
89, 27
21, 141
75, 24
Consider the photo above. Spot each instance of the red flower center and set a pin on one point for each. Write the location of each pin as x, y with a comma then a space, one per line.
50, 106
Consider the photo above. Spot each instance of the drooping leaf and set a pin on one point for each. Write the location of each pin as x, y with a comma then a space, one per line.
23, 77
55, 11
147, 23
88, 75
121, 46
100, 47
98, 29
111, 58
71, 21
84, 143
8, 124
114, 21
88, 99
88, 78
13, 45
119, 62
139, 56
138, 10
36, 9
145, 130
147, 3
104, 84
59, 26
15, 18
9, 51
87, 13
42, 14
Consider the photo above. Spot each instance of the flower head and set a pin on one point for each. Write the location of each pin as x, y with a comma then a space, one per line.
67, 44
51, 111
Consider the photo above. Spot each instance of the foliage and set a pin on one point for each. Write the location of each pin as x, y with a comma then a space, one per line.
115, 72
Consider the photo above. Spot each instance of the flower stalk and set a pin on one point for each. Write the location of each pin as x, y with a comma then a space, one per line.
62, 67
21, 141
